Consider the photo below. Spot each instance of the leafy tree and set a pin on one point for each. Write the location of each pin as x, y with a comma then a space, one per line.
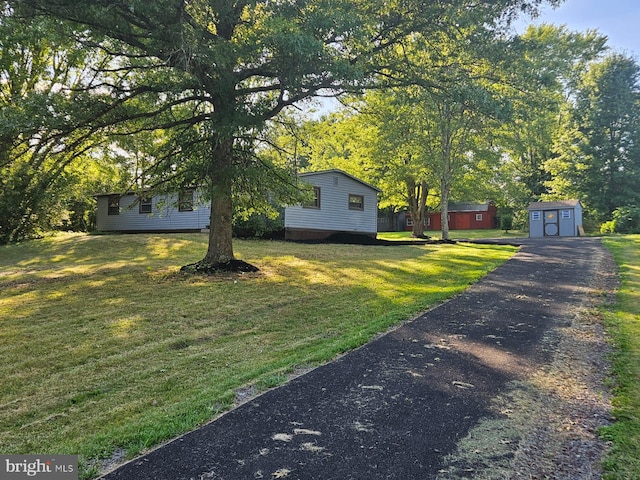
340, 140
401, 160
44, 142
376, 138
212, 72
458, 124
549, 60
626, 219
599, 149
430, 137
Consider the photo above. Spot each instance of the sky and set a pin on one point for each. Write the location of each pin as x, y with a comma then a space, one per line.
619, 20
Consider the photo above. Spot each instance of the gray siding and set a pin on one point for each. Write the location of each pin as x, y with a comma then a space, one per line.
334, 213
569, 218
578, 220
567, 222
164, 217
536, 223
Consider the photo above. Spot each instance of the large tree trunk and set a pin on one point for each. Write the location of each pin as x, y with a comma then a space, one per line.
220, 248
446, 175
444, 213
219, 257
417, 195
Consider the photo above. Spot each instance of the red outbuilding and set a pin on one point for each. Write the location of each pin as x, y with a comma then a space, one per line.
463, 216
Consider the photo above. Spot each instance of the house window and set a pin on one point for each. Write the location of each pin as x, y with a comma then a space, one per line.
315, 203
566, 214
409, 222
356, 202
114, 205
185, 200
478, 217
144, 205
536, 216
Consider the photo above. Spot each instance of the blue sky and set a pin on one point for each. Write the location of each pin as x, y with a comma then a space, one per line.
619, 20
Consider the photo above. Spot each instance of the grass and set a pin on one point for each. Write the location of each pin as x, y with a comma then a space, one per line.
106, 348
457, 234
623, 461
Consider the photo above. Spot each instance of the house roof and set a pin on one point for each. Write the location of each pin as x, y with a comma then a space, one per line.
342, 172
140, 192
555, 204
120, 194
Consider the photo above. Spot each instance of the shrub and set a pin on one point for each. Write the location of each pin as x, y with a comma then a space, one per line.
607, 227
259, 225
506, 222
520, 220
627, 219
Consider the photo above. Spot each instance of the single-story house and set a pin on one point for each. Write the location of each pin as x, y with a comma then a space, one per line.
342, 204
555, 219
461, 216
130, 212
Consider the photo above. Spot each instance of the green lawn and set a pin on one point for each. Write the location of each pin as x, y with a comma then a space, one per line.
457, 234
623, 321
106, 348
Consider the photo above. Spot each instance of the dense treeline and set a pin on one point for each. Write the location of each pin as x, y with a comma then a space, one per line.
559, 122
441, 101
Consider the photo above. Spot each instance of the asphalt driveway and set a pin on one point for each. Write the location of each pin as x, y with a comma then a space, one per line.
400, 406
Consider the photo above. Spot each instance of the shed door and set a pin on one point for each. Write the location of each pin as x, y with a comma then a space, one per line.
464, 221
551, 223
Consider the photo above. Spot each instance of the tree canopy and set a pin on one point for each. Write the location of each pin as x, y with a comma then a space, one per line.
210, 73
183, 94
599, 147
46, 137
555, 118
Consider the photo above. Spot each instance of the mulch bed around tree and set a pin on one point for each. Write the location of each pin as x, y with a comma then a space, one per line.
232, 266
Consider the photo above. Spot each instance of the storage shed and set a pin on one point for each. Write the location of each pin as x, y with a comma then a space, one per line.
466, 216
555, 219
342, 204
182, 211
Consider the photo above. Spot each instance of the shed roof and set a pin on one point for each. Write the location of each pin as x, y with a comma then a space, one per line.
335, 170
551, 205
469, 207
